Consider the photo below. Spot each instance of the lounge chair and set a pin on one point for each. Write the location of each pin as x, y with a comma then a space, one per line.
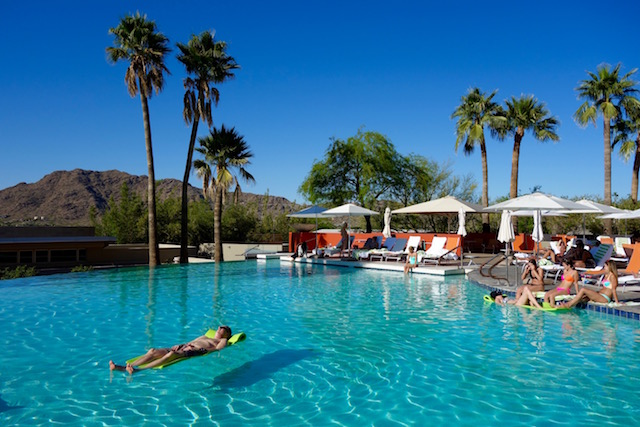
377, 253
337, 249
619, 254
629, 275
397, 247
442, 249
413, 242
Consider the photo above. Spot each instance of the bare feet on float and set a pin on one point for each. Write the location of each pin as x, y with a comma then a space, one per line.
130, 369
114, 367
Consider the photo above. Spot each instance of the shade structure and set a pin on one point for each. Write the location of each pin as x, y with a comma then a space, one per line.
462, 223
536, 201
443, 205
531, 213
591, 207
310, 212
624, 214
349, 210
386, 231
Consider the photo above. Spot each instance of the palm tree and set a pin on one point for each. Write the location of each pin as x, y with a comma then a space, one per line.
625, 132
204, 172
476, 111
207, 63
522, 114
604, 92
137, 41
225, 151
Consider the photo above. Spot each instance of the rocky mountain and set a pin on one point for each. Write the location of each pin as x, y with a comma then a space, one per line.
65, 197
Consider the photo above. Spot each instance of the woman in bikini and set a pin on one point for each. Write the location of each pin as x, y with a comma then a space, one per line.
570, 278
412, 260
535, 276
556, 257
605, 295
526, 298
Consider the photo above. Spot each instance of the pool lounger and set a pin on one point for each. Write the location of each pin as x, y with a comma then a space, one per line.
236, 338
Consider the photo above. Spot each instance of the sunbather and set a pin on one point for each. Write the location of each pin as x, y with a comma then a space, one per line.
526, 298
581, 257
535, 277
345, 238
556, 258
570, 277
159, 356
412, 260
608, 292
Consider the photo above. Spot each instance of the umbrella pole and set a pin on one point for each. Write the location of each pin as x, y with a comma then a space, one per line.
316, 248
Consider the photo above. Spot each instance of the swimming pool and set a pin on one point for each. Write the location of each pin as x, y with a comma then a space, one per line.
325, 346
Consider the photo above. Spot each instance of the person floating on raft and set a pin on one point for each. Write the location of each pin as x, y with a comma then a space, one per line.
526, 298
162, 356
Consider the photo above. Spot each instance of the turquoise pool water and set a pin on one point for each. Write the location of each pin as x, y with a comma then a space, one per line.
325, 346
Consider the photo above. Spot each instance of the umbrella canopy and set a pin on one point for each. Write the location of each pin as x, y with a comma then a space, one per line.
461, 223
529, 212
444, 205
537, 201
310, 212
349, 210
386, 231
624, 214
594, 207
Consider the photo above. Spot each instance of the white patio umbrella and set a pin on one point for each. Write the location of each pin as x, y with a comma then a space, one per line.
537, 234
445, 206
349, 210
310, 212
505, 232
461, 223
591, 207
386, 231
537, 201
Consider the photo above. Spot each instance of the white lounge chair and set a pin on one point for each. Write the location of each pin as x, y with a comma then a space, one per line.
413, 242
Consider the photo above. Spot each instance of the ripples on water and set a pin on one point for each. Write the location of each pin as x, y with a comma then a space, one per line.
325, 346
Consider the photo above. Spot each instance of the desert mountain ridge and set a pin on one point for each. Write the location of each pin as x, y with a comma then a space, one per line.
65, 197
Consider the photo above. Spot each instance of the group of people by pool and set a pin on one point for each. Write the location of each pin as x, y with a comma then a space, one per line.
161, 356
533, 281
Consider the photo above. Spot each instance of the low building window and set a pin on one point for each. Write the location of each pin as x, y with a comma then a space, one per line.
42, 256
82, 255
26, 257
8, 257
67, 255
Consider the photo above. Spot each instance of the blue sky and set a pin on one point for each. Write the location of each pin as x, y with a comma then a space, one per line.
311, 71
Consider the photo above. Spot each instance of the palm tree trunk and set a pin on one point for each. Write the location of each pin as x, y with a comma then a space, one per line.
636, 171
154, 254
217, 219
184, 219
515, 166
485, 186
607, 171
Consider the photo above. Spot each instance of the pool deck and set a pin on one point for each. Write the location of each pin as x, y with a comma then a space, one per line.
630, 298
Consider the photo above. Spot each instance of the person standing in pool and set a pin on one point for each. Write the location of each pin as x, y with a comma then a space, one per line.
159, 356
605, 295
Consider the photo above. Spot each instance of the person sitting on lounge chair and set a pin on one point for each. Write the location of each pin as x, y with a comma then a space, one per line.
581, 257
608, 292
556, 257
159, 356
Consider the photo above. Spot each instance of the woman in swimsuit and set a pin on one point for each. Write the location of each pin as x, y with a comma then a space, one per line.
556, 258
569, 278
535, 276
608, 292
526, 298
412, 260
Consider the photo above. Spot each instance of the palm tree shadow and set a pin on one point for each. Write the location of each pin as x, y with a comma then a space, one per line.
257, 370
4, 406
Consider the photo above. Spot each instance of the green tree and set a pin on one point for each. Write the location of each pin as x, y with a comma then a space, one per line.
477, 110
363, 168
227, 153
169, 220
603, 92
627, 134
124, 220
238, 222
200, 222
137, 41
206, 63
526, 114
